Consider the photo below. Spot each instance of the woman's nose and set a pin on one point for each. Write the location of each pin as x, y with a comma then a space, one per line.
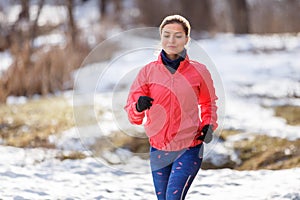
172, 39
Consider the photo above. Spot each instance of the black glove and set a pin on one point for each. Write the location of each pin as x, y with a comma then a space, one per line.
207, 132
144, 103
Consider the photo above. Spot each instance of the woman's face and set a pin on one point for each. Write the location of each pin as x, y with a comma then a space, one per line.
173, 39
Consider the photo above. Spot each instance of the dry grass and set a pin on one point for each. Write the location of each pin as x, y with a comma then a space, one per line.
30, 124
47, 72
120, 140
227, 133
264, 152
290, 113
74, 155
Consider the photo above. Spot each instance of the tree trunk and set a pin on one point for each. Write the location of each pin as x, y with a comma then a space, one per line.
102, 8
35, 23
24, 14
71, 23
239, 16
199, 13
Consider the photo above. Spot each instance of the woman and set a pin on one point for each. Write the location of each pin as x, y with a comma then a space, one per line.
169, 92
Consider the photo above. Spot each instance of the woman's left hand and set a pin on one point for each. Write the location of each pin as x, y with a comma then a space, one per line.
206, 134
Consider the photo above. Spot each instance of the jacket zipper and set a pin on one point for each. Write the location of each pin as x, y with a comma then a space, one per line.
172, 102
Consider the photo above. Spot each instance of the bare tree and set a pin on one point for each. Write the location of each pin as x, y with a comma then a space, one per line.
35, 23
117, 10
153, 13
71, 22
102, 8
199, 14
24, 14
274, 16
239, 15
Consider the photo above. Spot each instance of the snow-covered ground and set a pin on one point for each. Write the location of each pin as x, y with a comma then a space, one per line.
254, 81
34, 174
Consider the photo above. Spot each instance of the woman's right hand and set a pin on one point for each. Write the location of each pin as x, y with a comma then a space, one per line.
143, 103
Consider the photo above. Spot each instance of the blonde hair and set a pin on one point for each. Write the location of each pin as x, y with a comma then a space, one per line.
176, 19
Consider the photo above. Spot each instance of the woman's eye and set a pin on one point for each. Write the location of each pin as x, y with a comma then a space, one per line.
179, 37
166, 36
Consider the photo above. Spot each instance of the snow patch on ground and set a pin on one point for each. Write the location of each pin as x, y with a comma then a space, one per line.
35, 174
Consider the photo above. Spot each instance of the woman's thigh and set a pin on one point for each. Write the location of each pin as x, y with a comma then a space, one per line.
184, 170
161, 166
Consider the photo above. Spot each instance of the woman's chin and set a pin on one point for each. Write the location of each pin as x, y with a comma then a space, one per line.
172, 52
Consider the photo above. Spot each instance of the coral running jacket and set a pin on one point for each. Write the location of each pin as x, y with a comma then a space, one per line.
174, 120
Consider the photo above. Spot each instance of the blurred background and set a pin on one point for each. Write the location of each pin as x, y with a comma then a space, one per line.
43, 43
51, 125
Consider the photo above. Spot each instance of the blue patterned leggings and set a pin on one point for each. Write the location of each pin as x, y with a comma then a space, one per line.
174, 171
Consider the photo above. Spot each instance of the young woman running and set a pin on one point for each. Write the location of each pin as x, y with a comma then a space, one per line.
178, 98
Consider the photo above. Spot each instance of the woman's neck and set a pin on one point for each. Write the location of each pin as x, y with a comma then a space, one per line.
172, 56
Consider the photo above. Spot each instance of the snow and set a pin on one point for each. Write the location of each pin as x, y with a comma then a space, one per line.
87, 14
5, 61
255, 81
50, 39
11, 13
34, 174
16, 100
50, 14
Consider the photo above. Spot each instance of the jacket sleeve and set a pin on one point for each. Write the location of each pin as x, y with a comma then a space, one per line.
138, 88
207, 100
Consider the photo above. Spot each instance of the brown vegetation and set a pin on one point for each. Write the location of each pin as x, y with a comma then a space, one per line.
38, 70
263, 152
290, 113
73, 155
138, 146
31, 124
49, 73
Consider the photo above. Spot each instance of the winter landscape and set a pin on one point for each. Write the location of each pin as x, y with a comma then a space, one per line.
254, 154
